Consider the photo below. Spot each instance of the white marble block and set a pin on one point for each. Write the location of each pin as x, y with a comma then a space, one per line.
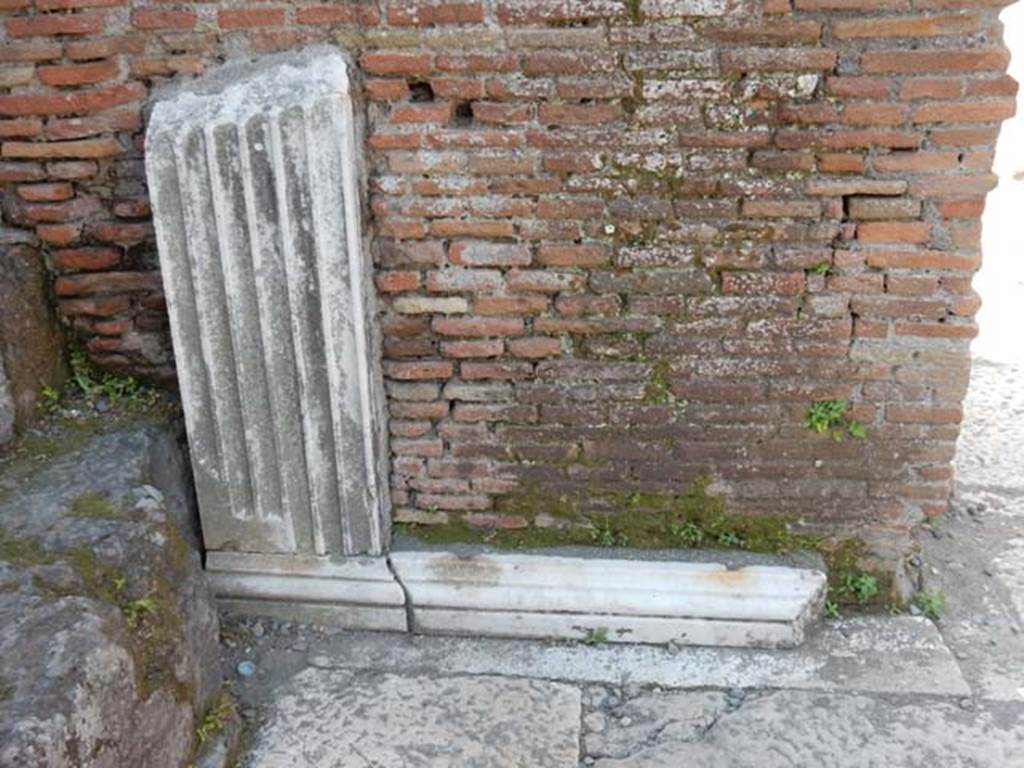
254, 177
596, 597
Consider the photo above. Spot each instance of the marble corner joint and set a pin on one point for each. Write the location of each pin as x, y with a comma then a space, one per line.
255, 176
539, 596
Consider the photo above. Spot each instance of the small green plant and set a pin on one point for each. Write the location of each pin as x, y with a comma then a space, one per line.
215, 718
49, 399
863, 587
832, 609
597, 636
730, 539
932, 604
822, 269
690, 534
606, 536
119, 390
136, 611
659, 388
833, 417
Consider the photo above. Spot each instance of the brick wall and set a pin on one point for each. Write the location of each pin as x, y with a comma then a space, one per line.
621, 244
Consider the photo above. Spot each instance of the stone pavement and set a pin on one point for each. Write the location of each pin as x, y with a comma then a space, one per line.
886, 691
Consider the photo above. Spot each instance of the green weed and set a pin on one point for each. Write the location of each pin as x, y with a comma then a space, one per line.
119, 390
832, 417
215, 718
932, 604
597, 636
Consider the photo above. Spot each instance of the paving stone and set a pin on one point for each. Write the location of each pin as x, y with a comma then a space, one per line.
668, 717
341, 719
799, 729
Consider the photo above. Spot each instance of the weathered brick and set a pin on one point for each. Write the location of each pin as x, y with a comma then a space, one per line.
416, 305
421, 15
884, 208
470, 254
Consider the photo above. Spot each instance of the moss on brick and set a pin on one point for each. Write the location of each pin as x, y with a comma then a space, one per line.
696, 519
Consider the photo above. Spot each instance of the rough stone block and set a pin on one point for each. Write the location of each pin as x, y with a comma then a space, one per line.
108, 635
31, 342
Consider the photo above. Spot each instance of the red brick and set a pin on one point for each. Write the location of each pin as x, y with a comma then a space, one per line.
931, 88
81, 74
85, 259
477, 326
152, 18
923, 415
510, 305
45, 25
397, 282
46, 193
107, 282
965, 112
841, 163
894, 232
59, 235
420, 369
535, 347
437, 113
66, 5
471, 349
71, 103
20, 128
858, 87
87, 148
909, 26
941, 61
396, 63
247, 18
